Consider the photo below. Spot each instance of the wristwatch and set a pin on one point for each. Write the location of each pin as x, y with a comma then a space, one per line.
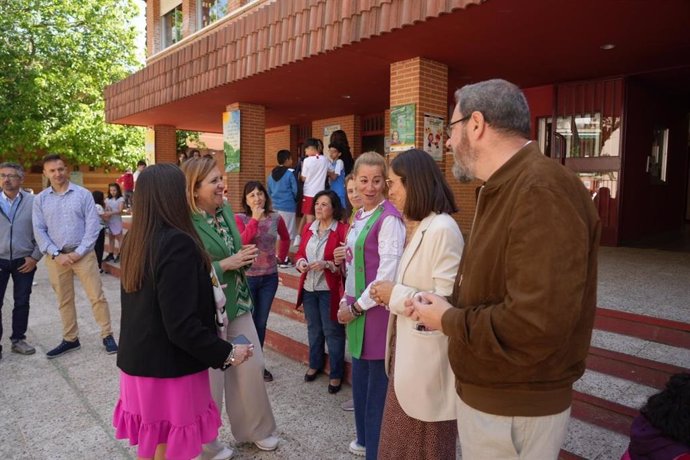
55, 254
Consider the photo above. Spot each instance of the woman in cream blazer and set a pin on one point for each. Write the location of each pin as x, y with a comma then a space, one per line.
419, 416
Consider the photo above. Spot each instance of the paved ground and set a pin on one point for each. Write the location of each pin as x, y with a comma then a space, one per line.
61, 408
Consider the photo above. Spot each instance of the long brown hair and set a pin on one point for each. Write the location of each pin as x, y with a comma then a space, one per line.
159, 202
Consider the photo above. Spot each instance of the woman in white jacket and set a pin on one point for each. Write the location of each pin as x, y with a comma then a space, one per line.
419, 416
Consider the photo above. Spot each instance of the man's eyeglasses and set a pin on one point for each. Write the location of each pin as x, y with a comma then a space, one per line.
449, 127
9, 176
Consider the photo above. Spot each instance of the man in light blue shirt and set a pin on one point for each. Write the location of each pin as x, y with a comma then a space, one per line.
19, 252
66, 226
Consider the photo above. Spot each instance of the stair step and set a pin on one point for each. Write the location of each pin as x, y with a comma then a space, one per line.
658, 330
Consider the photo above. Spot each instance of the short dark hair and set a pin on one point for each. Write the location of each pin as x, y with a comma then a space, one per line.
282, 156
249, 187
426, 189
117, 187
335, 203
669, 411
141, 163
338, 146
501, 102
313, 142
98, 197
52, 157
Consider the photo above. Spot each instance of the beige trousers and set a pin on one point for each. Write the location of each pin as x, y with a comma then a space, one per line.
496, 437
246, 401
62, 280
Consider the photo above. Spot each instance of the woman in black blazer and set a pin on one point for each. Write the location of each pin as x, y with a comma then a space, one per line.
168, 335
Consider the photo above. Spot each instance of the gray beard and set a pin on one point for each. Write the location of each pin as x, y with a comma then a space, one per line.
461, 173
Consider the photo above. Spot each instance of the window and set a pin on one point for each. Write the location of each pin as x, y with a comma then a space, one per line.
172, 26
657, 161
586, 135
212, 10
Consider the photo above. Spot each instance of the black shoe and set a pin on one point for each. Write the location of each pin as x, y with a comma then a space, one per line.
64, 347
268, 377
110, 345
117, 259
333, 389
310, 377
108, 258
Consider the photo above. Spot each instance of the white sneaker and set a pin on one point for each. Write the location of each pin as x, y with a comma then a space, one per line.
356, 449
269, 443
222, 452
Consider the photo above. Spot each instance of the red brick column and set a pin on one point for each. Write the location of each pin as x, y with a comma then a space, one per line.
190, 20
153, 27
424, 83
252, 150
165, 144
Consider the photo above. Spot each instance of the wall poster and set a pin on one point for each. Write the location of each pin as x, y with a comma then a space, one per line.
231, 140
327, 131
402, 128
433, 136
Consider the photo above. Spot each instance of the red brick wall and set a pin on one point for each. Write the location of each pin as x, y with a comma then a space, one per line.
165, 144
252, 150
276, 139
352, 126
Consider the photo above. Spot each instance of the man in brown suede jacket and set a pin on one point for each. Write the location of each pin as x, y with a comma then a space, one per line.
521, 315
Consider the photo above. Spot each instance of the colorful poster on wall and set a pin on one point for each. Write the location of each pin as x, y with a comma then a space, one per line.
150, 146
231, 140
327, 131
433, 136
402, 127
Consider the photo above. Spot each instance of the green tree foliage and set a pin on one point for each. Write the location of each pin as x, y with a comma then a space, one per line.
186, 138
56, 57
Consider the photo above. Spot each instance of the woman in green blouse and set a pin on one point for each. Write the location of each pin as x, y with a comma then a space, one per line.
246, 401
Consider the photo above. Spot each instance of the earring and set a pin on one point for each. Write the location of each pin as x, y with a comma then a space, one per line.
196, 195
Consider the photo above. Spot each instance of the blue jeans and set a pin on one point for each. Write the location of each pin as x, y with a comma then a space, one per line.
369, 386
263, 290
22, 292
321, 328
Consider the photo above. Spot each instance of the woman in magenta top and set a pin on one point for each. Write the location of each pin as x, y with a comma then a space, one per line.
261, 226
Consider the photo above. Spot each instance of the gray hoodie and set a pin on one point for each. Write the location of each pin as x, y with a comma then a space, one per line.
17, 238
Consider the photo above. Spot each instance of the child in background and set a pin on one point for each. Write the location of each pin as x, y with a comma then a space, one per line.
662, 430
98, 198
313, 174
114, 205
336, 172
282, 188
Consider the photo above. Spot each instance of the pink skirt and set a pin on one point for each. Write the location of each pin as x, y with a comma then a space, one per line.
179, 412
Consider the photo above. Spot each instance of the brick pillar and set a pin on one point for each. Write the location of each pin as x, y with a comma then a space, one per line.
153, 27
165, 144
252, 150
424, 83
189, 17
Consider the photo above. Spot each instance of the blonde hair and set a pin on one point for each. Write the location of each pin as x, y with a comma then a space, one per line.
195, 170
370, 159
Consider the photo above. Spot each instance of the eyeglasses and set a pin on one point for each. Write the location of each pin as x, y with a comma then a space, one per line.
449, 127
9, 176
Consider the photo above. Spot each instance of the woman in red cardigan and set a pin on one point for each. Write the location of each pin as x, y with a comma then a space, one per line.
321, 286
